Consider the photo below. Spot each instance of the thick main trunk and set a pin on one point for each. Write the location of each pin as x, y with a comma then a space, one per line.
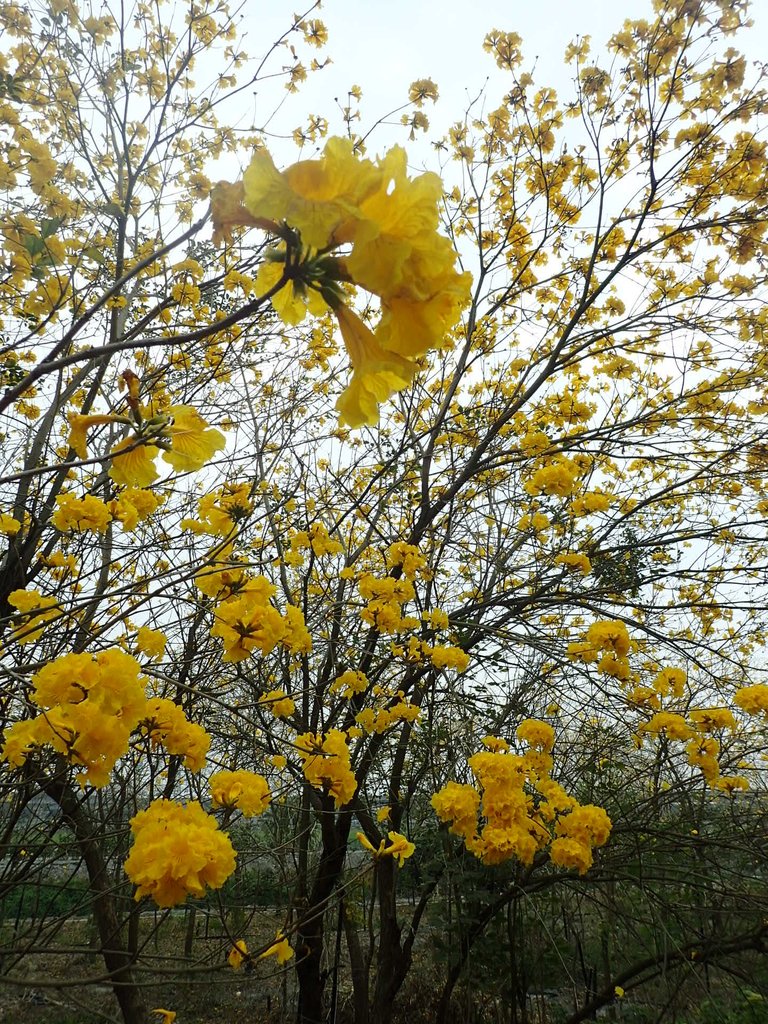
358, 970
394, 961
311, 928
117, 958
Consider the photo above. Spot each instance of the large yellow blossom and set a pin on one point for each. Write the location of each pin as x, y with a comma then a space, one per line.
389, 222
177, 851
319, 198
90, 705
193, 442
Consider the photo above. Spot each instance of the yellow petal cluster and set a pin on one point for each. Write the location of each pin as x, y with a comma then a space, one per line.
36, 610
88, 513
177, 851
512, 808
165, 723
327, 764
384, 600
389, 222
247, 791
90, 706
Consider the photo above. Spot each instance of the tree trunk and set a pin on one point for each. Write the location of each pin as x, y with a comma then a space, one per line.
117, 958
358, 970
393, 960
311, 927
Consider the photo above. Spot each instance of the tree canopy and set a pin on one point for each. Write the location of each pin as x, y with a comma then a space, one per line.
418, 513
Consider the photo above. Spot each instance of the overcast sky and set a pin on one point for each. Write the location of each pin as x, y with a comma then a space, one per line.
383, 45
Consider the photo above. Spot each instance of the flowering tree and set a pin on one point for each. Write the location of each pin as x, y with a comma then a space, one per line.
424, 524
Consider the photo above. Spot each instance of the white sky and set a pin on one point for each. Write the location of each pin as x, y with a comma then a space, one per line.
384, 45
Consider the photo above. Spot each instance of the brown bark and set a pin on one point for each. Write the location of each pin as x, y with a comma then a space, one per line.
117, 958
311, 927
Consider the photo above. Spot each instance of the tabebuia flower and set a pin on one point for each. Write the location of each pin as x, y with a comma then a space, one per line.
90, 705
345, 220
515, 809
178, 851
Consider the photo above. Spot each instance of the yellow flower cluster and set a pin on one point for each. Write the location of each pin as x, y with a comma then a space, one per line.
511, 810
247, 621
91, 514
327, 765
349, 683
91, 705
278, 703
557, 478
165, 722
133, 506
753, 699
441, 656
321, 541
539, 735
390, 222
150, 642
36, 610
693, 726
223, 577
591, 501
576, 562
399, 847
385, 598
8, 524
379, 720
609, 641
220, 510
81, 514
177, 851
247, 791
410, 559
579, 832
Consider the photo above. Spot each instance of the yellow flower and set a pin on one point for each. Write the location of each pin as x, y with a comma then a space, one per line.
193, 442
349, 683
752, 699
248, 623
169, 1016
151, 642
280, 705
133, 463
237, 954
280, 948
536, 734
458, 803
618, 991
400, 848
165, 722
177, 851
78, 429
376, 373
37, 610
8, 524
319, 198
247, 791
90, 705
88, 513
327, 764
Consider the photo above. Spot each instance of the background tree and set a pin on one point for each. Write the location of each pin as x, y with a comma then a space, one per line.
532, 591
